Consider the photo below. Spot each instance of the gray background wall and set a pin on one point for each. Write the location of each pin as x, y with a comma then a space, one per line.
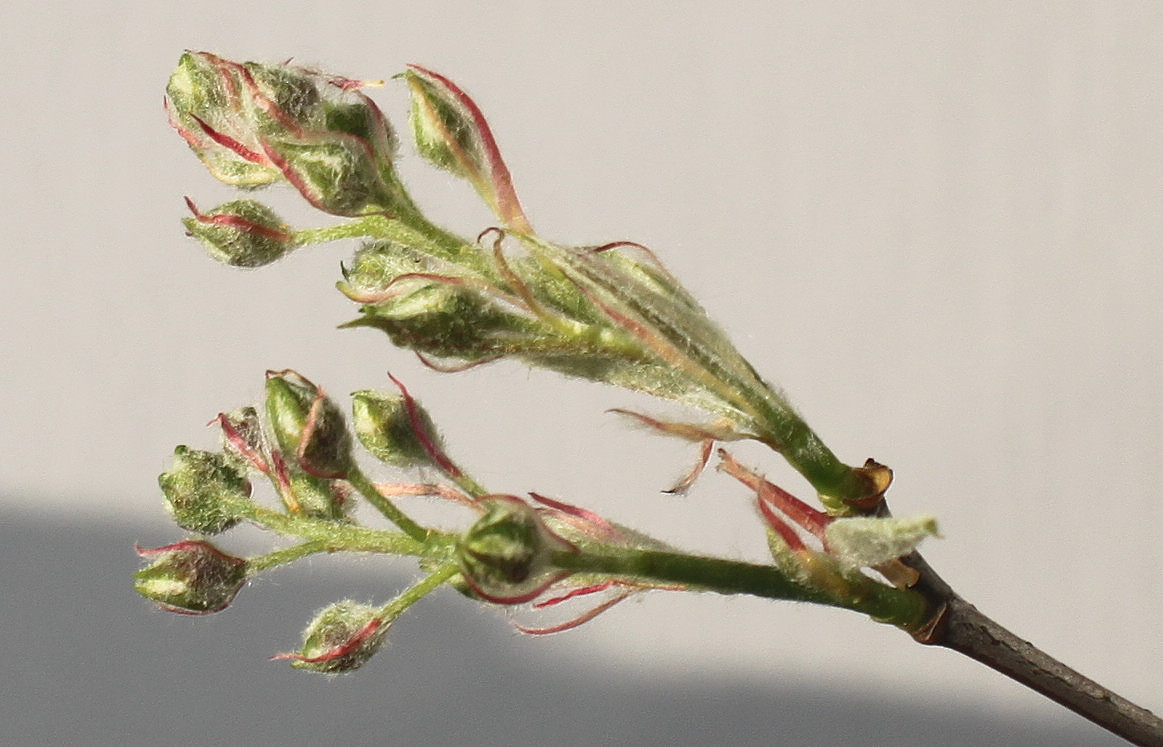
937, 226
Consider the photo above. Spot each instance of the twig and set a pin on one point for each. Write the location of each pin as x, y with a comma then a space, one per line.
961, 627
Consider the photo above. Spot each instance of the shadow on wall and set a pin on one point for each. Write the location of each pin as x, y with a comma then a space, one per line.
87, 663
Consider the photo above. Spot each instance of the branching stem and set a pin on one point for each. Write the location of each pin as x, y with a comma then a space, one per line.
368, 490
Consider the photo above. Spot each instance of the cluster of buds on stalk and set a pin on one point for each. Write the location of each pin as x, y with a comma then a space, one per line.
609, 312
303, 446
253, 125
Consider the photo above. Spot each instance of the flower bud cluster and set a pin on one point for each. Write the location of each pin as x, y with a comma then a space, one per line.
608, 313
253, 125
304, 448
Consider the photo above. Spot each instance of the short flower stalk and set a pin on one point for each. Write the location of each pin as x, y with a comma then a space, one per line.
609, 313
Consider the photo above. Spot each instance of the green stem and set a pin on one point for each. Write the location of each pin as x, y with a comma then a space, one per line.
465, 482
418, 591
283, 556
413, 230
902, 608
811, 457
417, 231
336, 535
352, 229
368, 490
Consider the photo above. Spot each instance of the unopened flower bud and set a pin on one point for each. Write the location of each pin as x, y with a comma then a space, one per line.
208, 101
308, 425
440, 319
199, 489
242, 233
451, 132
507, 555
440, 312
192, 577
340, 639
391, 431
253, 124
320, 499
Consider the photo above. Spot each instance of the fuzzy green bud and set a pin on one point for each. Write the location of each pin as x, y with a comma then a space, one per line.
507, 555
341, 639
242, 233
253, 124
394, 428
338, 175
320, 499
308, 425
451, 132
435, 308
192, 577
199, 489
207, 97
443, 125
440, 319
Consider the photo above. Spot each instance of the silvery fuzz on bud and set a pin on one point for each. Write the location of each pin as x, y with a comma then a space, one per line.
341, 639
319, 498
391, 431
192, 577
200, 488
241, 233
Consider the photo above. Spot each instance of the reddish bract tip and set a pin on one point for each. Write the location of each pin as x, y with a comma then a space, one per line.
580, 620
347, 648
429, 444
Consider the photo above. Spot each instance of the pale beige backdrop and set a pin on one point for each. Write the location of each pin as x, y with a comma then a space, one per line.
936, 225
